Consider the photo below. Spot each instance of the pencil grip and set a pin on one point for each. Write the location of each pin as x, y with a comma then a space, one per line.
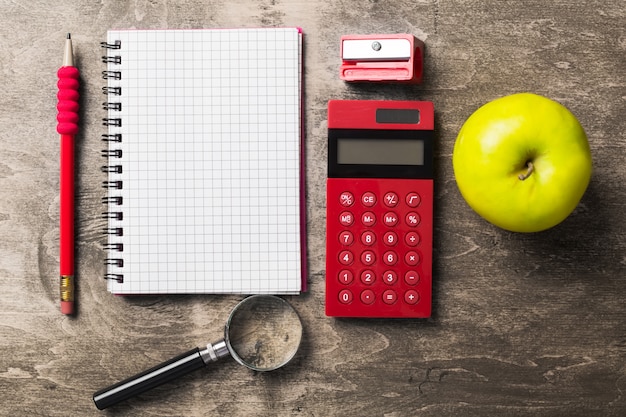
67, 105
151, 378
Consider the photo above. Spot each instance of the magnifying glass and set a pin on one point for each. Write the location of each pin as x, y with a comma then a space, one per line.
263, 333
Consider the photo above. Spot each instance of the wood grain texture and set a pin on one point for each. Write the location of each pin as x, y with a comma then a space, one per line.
522, 325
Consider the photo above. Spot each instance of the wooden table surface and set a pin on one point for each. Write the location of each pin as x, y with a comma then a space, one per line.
523, 324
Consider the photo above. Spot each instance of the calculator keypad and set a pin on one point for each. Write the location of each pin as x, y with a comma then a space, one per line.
379, 247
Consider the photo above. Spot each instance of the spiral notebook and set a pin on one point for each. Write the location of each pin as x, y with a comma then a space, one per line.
205, 151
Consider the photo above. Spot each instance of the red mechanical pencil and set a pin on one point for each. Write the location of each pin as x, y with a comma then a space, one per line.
67, 127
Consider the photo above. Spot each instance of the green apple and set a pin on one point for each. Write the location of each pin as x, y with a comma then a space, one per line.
522, 162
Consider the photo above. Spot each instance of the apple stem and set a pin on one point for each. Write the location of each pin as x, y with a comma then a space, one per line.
529, 171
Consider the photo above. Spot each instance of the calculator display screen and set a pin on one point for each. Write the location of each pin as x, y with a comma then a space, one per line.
380, 152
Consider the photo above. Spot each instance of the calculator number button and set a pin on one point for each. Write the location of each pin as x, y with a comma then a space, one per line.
345, 276
390, 277
346, 257
390, 239
368, 238
368, 277
345, 296
368, 257
390, 258
346, 238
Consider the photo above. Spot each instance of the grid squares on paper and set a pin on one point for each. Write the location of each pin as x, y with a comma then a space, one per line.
211, 148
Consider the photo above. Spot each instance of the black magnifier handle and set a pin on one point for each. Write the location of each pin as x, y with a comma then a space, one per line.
160, 374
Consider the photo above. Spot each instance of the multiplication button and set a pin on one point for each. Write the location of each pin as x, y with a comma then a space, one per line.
411, 258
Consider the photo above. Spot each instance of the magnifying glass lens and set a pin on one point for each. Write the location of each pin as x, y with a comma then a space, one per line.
263, 333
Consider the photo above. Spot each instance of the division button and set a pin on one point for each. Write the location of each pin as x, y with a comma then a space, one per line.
412, 239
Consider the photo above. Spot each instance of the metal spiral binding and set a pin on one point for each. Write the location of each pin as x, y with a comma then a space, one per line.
115, 137
114, 91
115, 75
115, 277
112, 106
112, 122
114, 215
114, 231
111, 153
113, 202
116, 169
115, 45
112, 59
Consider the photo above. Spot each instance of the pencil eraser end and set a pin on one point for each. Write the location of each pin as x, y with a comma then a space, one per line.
67, 307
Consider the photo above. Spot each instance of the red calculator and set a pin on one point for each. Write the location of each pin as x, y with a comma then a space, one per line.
379, 209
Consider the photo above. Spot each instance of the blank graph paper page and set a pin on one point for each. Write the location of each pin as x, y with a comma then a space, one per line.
204, 161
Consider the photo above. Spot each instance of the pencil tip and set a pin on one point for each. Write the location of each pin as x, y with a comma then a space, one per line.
69, 36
